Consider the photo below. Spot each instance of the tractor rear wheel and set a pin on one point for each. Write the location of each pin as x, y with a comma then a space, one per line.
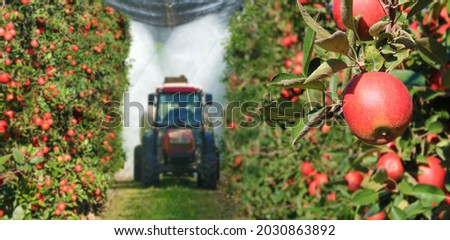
150, 166
209, 171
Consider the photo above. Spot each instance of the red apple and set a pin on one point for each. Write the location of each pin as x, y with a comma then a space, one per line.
299, 57
34, 43
47, 115
297, 91
378, 216
325, 129
298, 69
321, 178
432, 173
393, 165
436, 80
3, 126
432, 138
354, 179
447, 198
4, 77
10, 26
288, 63
286, 41
285, 93
392, 146
307, 169
78, 168
331, 197
314, 186
237, 161
57, 212
377, 107
70, 133
63, 182
97, 191
371, 12
9, 114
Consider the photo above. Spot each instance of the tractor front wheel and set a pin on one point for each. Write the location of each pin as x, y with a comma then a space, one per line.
150, 171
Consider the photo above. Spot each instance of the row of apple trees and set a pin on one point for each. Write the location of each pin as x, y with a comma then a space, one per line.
60, 62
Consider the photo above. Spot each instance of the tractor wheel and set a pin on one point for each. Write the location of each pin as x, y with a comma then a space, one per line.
137, 163
150, 171
150, 165
209, 173
199, 180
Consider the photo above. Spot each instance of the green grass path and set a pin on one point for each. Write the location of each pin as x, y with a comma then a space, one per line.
176, 199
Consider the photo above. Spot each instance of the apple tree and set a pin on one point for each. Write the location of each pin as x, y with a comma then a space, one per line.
377, 71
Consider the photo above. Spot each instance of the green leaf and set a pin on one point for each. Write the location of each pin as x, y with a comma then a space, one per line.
397, 214
18, 156
446, 79
313, 65
374, 60
18, 214
378, 27
401, 2
432, 51
414, 209
420, 5
327, 69
37, 159
421, 159
364, 197
380, 175
308, 47
428, 195
337, 42
281, 110
305, 124
4, 159
286, 80
425, 94
447, 181
435, 127
347, 14
368, 153
321, 32
409, 77
396, 59
406, 40
374, 209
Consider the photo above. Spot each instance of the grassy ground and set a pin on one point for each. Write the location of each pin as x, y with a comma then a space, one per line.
176, 199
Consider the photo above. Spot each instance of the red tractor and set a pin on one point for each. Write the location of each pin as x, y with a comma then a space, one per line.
178, 140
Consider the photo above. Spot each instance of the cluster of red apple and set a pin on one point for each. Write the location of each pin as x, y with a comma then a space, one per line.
432, 173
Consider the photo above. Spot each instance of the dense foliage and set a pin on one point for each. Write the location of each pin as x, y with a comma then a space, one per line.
61, 61
328, 173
